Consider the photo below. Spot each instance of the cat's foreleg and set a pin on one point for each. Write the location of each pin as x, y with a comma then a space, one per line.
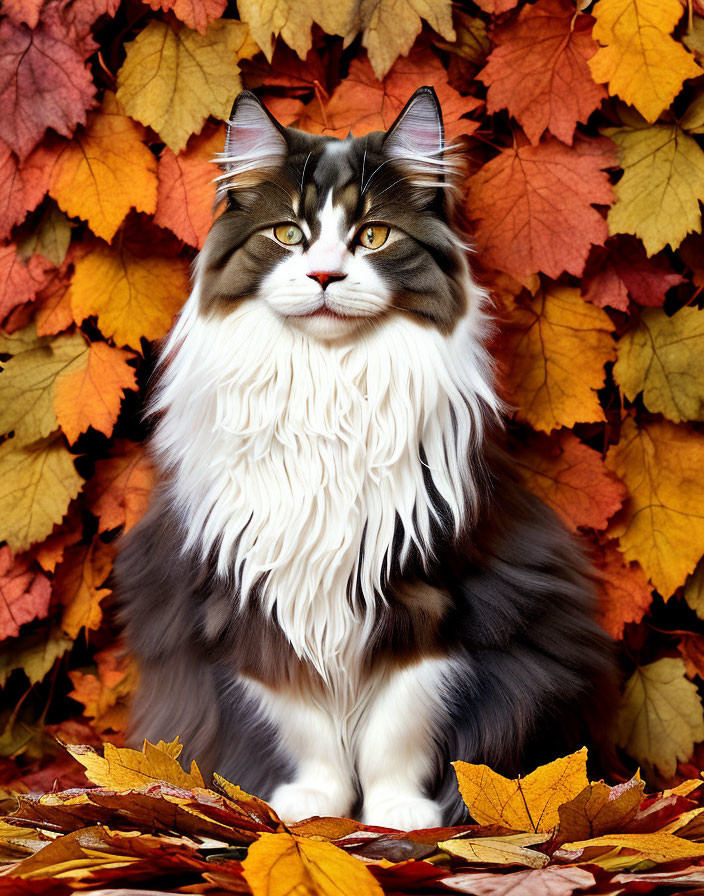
397, 752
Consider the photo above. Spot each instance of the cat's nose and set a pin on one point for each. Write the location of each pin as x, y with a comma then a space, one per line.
325, 277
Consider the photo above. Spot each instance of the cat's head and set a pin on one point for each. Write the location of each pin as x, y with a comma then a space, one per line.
336, 235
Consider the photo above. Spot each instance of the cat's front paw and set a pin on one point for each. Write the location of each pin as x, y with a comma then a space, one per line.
294, 802
403, 812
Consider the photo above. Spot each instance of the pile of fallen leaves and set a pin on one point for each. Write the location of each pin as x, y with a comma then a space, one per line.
583, 124
150, 824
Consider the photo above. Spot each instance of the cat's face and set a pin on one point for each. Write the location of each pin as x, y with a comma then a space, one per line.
335, 235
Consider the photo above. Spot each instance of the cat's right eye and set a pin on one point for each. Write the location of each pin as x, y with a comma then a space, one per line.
289, 234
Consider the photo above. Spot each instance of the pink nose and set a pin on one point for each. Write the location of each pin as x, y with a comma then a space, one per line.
325, 277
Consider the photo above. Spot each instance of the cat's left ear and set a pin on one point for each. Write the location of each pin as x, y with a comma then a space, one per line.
416, 140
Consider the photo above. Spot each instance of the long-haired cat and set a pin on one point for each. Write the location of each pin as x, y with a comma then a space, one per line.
339, 587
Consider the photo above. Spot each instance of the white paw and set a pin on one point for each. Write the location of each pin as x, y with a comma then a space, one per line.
405, 813
294, 802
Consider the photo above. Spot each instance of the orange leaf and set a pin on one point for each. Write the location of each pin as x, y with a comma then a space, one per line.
624, 592
534, 206
539, 70
103, 693
197, 14
571, 478
21, 188
18, 281
50, 552
90, 393
118, 492
79, 585
24, 593
538, 345
105, 171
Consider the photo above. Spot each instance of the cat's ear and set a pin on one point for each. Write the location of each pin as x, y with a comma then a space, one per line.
416, 140
255, 144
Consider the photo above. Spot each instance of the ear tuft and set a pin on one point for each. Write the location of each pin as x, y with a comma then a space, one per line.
255, 144
418, 131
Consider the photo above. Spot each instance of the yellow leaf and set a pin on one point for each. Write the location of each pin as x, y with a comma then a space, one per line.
661, 717
694, 590
78, 585
539, 343
28, 384
657, 199
90, 392
599, 809
34, 653
37, 483
642, 63
122, 769
522, 804
509, 850
654, 847
173, 78
133, 296
661, 526
286, 865
51, 237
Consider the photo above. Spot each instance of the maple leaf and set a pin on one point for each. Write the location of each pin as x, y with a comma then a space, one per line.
37, 483
283, 863
118, 492
624, 593
78, 584
362, 103
599, 809
122, 769
90, 392
661, 526
18, 281
173, 78
34, 653
21, 188
186, 192
571, 478
24, 593
663, 357
197, 14
540, 338
539, 72
657, 199
524, 804
641, 62
534, 206
104, 171
103, 693
31, 59
621, 270
132, 294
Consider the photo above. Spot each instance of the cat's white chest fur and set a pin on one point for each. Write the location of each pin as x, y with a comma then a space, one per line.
294, 458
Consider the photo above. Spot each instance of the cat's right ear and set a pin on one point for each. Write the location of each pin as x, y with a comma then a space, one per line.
255, 144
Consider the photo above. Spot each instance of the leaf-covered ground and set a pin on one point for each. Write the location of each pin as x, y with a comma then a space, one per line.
583, 124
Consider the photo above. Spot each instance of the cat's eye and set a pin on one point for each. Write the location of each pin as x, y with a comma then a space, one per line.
289, 234
373, 236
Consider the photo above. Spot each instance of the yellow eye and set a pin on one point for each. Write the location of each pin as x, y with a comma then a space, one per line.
373, 236
289, 234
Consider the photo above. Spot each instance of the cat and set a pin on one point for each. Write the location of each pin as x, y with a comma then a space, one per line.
339, 586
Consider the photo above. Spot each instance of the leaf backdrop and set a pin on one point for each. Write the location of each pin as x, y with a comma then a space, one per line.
583, 125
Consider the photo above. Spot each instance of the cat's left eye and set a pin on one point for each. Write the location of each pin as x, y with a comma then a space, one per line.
289, 234
373, 236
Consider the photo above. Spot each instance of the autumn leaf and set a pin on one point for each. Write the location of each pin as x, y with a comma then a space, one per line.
654, 847
120, 768
599, 809
507, 850
51, 237
539, 72
173, 78
534, 206
694, 590
19, 11
37, 484
657, 199
24, 594
496, 7
642, 64
18, 282
553, 881
103, 693
118, 493
22, 188
624, 592
34, 653
197, 14
50, 552
663, 357
522, 804
662, 526
661, 717
284, 863
105, 170
540, 338
30, 60
134, 295
79, 585
571, 478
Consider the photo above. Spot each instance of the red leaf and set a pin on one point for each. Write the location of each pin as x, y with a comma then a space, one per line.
625, 594
197, 14
19, 11
19, 281
44, 82
539, 70
496, 7
534, 205
22, 187
24, 593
